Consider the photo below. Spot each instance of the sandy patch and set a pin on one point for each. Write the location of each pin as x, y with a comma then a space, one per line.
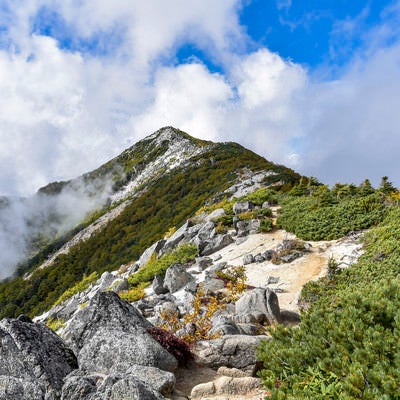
292, 276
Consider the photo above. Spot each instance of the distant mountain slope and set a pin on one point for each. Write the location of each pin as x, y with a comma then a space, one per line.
158, 183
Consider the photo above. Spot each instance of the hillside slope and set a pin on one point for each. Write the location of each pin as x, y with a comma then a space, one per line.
225, 280
158, 183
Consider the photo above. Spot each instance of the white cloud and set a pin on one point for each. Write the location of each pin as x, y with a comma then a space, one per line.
151, 28
253, 104
353, 128
189, 97
63, 113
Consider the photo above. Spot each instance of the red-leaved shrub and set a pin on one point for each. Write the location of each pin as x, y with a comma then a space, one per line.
171, 343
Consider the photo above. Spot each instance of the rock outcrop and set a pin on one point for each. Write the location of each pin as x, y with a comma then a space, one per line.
248, 227
260, 303
109, 335
176, 278
95, 386
242, 207
33, 361
233, 351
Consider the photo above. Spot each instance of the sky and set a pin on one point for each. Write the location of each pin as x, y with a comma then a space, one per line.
314, 85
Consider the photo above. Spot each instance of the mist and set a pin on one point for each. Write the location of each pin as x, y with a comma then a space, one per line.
28, 223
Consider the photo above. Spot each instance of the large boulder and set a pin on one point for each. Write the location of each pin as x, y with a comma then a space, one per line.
160, 381
158, 285
233, 351
225, 387
242, 207
213, 285
176, 278
177, 237
96, 386
156, 247
192, 231
248, 227
217, 243
218, 213
260, 303
109, 335
33, 361
204, 235
203, 263
208, 241
223, 325
106, 280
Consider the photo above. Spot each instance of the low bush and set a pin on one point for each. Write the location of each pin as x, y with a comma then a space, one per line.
266, 225
346, 346
173, 344
235, 281
55, 323
196, 324
170, 232
310, 219
260, 196
158, 266
79, 287
134, 294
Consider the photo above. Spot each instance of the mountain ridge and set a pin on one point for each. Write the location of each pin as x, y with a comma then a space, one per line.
206, 253
146, 212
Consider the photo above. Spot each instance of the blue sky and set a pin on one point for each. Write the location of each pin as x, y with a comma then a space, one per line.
311, 84
312, 32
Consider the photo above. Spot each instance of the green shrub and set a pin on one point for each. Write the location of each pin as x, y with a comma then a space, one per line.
260, 196
347, 344
183, 254
264, 212
310, 219
224, 203
55, 323
134, 294
266, 225
79, 287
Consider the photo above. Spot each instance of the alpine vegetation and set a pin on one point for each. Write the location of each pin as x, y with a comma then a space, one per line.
200, 270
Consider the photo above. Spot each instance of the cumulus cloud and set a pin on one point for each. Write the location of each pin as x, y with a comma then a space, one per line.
352, 126
64, 111
81, 81
254, 103
189, 97
67, 108
266, 117
154, 26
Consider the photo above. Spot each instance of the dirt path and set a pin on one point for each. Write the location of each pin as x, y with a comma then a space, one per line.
188, 378
292, 276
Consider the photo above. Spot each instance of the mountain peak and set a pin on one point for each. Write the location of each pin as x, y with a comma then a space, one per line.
166, 149
165, 133
170, 134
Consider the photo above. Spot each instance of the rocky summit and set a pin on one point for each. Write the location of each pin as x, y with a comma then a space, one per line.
209, 273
